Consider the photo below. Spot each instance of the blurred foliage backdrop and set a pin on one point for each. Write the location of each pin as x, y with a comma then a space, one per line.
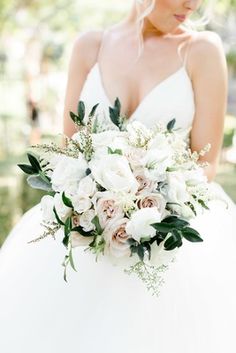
36, 37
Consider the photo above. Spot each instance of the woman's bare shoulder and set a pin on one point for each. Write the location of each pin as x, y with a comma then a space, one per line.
207, 44
86, 46
207, 52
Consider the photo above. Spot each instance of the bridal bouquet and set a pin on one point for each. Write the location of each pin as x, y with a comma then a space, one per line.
126, 193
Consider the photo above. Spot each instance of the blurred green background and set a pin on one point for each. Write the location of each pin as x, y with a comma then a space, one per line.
35, 44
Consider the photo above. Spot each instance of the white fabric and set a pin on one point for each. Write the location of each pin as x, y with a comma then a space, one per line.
102, 309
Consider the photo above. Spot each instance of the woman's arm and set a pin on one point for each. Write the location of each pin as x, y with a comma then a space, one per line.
210, 84
83, 57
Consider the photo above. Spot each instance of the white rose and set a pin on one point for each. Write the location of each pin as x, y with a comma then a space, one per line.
116, 238
107, 207
81, 202
67, 173
113, 173
134, 155
62, 210
87, 186
177, 190
79, 240
139, 225
86, 220
152, 200
47, 204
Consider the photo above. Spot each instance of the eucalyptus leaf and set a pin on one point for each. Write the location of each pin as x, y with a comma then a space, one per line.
36, 182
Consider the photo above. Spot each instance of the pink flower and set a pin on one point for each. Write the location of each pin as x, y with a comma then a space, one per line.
116, 238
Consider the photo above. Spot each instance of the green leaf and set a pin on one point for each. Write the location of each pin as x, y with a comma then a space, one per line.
82, 232
116, 151
88, 171
66, 200
202, 203
117, 105
163, 227
26, 168
93, 109
81, 111
76, 119
45, 178
175, 240
57, 217
36, 182
140, 251
68, 226
71, 260
171, 125
34, 162
191, 235
178, 222
114, 113
65, 240
98, 227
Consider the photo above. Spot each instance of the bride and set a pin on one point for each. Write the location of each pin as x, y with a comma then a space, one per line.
181, 73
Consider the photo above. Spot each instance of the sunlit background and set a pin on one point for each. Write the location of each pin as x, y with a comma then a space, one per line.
35, 44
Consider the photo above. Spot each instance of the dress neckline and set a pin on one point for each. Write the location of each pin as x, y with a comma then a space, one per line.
147, 96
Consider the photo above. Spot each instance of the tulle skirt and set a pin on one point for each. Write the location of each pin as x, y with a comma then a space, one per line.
103, 310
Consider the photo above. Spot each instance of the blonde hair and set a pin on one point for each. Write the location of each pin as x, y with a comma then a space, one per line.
205, 18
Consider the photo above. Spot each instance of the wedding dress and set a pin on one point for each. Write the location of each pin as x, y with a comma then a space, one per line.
103, 310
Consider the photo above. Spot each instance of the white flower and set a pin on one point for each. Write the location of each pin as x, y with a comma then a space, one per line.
145, 184
107, 207
155, 163
81, 202
153, 199
195, 177
87, 186
113, 173
177, 190
79, 240
139, 225
116, 238
138, 134
159, 142
86, 220
160, 256
67, 173
47, 204
62, 210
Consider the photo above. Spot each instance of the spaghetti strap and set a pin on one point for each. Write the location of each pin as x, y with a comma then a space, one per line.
187, 48
101, 44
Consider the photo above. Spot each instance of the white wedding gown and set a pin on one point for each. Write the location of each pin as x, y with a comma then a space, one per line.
103, 310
